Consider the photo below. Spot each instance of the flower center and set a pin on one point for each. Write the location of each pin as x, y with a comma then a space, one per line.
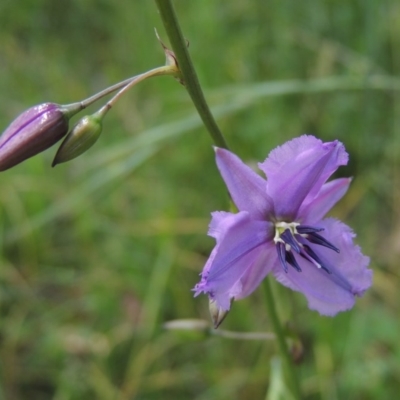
293, 238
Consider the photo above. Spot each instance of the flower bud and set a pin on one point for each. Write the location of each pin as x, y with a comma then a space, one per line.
217, 313
35, 130
82, 136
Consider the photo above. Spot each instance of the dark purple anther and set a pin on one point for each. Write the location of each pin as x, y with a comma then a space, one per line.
311, 253
290, 240
292, 261
280, 248
32, 132
307, 229
318, 239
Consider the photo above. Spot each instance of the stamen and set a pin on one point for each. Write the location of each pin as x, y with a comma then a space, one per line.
290, 258
318, 239
290, 240
292, 236
280, 247
308, 229
314, 257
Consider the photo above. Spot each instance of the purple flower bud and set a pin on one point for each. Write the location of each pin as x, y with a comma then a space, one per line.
32, 132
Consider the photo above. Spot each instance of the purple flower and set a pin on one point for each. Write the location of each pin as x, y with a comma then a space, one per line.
32, 132
279, 229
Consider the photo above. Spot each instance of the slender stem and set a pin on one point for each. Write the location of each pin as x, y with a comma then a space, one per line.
92, 99
188, 72
126, 84
165, 70
243, 335
280, 336
74, 108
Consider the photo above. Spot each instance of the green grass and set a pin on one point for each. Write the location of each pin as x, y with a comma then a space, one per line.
98, 253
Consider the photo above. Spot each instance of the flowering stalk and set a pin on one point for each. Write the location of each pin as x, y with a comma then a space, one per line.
193, 87
190, 80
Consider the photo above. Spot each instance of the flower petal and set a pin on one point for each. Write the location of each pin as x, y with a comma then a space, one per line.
298, 169
313, 210
248, 190
255, 267
257, 271
331, 293
240, 242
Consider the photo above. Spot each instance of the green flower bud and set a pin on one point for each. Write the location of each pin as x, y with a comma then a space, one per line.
82, 136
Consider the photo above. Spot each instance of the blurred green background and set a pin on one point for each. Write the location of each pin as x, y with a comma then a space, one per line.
97, 254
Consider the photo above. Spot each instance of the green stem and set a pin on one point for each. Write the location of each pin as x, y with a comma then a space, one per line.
192, 84
74, 108
92, 99
165, 70
243, 335
188, 72
280, 337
